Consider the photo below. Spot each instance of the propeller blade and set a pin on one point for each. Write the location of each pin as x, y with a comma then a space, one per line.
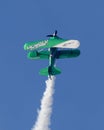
49, 35
55, 32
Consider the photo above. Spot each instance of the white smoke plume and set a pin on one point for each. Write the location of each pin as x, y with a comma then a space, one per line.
44, 114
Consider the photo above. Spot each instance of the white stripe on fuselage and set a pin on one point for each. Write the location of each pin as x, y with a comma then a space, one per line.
69, 44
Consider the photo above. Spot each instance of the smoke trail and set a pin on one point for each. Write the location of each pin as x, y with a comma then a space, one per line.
44, 114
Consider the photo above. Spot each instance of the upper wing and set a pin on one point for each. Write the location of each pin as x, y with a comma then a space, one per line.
69, 44
52, 42
67, 54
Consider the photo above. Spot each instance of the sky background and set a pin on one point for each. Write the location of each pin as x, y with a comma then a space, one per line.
79, 90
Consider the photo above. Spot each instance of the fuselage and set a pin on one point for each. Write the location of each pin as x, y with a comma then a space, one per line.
52, 58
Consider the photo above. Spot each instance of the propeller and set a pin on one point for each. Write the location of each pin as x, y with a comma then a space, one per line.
54, 35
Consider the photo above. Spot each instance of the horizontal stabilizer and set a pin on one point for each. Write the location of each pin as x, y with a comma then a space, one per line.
49, 71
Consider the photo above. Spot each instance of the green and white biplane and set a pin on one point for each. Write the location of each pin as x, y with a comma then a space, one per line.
52, 49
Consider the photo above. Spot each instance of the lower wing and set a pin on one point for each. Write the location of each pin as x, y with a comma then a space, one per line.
61, 54
67, 54
38, 55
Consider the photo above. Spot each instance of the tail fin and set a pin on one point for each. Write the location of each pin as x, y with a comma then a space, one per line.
49, 71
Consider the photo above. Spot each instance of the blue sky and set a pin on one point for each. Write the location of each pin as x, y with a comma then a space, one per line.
78, 99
